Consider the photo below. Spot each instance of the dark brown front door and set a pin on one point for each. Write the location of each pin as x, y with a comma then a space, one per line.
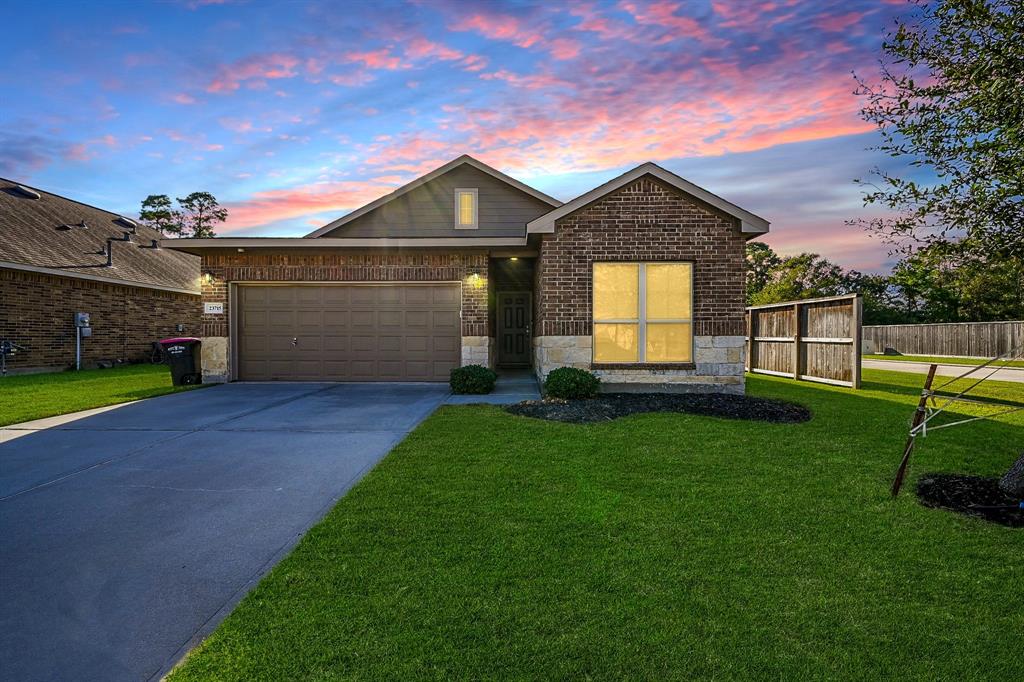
514, 329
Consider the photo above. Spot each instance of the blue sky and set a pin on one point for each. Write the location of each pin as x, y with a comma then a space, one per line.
295, 113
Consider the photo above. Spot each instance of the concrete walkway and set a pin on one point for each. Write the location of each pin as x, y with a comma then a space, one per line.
513, 386
1001, 374
128, 534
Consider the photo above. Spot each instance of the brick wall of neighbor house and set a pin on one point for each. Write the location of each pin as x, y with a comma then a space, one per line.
644, 221
37, 311
350, 266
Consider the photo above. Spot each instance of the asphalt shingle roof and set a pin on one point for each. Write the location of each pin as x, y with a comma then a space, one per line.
30, 235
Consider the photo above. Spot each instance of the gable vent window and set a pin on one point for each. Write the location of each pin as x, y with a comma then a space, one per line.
466, 209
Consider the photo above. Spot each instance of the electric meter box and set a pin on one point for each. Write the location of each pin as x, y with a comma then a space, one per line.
81, 319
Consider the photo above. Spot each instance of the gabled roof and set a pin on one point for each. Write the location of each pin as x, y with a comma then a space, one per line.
465, 159
749, 223
43, 232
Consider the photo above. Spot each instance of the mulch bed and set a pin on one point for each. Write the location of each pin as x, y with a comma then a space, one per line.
608, 406
970, 495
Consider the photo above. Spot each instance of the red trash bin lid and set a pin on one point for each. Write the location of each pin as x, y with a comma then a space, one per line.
179, 339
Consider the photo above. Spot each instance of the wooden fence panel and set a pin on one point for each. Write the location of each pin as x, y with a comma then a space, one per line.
963, 339
815, 339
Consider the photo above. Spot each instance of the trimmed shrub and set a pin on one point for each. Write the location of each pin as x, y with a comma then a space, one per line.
473, 379
571, 383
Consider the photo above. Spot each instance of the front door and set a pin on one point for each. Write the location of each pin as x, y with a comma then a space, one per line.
514, 316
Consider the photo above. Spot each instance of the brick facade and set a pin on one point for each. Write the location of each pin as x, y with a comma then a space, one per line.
37, 312
469, 268
644, 221
219, 270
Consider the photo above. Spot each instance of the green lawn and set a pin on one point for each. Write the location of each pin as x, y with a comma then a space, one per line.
34, 396
944, 361
653, 547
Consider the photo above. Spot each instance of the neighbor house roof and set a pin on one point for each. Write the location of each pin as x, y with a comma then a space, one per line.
749, 223
47, 233
466, 160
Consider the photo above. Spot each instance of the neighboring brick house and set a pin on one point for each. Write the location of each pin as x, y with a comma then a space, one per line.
639, 280
54, 263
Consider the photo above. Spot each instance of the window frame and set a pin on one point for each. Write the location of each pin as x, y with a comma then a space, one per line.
472, 191
641, 320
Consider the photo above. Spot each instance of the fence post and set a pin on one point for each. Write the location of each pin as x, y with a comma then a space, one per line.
855, 333
796, 341
750, 339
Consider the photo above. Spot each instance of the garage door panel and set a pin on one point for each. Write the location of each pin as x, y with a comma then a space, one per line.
390, 295
418, 370
366, 296
362, 319
309, 295
442, 319
446, 344
280, 295
348, 332
280, 318
309, 318
446, 296
419, 296
390, 344
390, 319
417, 319
335, 343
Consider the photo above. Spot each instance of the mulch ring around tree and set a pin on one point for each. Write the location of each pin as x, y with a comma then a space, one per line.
971, 495
608, 406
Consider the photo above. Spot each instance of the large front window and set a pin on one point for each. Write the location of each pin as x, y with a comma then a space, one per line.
643, 312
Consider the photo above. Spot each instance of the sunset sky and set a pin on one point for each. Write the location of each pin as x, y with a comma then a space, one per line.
294, 113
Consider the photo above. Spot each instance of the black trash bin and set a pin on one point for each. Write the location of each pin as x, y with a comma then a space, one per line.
182, 356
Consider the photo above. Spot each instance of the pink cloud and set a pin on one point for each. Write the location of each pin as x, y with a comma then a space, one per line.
284, 204
662, 14
421, 48
376, 59
564, 48
499, 27
240, 125
839, 22
474, 62
184, 98
261, 66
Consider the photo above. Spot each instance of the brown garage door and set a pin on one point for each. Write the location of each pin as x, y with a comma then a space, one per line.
349, 332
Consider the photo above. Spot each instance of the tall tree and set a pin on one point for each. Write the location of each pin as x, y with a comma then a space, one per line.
952, 285
762, 262
951, 102
806, 275
158, 213
200, 212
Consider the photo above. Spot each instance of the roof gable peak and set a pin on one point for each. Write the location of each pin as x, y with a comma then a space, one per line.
462, 160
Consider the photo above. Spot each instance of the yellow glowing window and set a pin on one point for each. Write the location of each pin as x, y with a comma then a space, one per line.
643, 312
465, 208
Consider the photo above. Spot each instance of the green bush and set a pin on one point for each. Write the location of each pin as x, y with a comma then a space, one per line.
571, 383
474, 379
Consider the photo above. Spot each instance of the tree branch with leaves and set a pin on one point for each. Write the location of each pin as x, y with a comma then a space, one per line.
950, 102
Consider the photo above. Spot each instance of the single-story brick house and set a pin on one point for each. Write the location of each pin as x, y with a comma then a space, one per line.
640, 280
59, 257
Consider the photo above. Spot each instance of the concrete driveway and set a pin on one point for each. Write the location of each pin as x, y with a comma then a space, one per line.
126, 536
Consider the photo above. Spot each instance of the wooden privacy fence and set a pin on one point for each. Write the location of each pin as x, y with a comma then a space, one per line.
817, 339
967, 339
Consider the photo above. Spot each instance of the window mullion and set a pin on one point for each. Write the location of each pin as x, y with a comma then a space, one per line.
642, 313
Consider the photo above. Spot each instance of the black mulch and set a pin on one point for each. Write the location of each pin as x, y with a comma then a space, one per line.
971, 495
608, 406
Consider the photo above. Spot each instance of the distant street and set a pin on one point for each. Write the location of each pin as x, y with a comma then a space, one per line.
1002, 374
